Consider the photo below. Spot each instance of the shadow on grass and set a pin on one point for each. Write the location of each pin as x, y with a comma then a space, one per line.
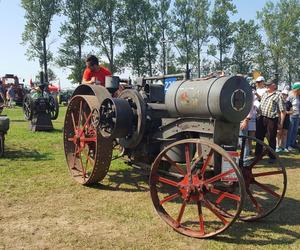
289, 162
273, 229
18, 121
128, 180
25, 153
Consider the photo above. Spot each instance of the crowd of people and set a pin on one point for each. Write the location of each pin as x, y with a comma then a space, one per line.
274, 115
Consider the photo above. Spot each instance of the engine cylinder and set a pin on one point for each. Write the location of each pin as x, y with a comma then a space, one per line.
226, 98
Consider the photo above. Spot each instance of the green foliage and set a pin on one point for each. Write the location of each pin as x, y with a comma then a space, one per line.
184, 31
139, 36
200, 32
74, 31
280, 22
51, 76
164, 29
246, 46
222, 29
105, 30
38, 15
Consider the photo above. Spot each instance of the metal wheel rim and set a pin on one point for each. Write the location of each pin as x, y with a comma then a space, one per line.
259, 214
176, 224
88, 154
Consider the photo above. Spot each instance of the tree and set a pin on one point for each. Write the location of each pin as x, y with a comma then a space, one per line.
139, 37
201, 32
246, 40
183, 33
222, 29
74, 31
270, 21
38, 15
163, 22
105, 17
290, 36
280, 22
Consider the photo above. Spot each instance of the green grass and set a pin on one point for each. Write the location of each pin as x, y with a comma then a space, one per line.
41, 207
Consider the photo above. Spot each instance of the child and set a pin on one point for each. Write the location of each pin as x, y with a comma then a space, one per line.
282, 133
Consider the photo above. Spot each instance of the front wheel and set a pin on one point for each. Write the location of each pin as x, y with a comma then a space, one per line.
189, 196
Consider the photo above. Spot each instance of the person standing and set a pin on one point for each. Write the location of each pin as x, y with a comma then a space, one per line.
282, 134
271, 112
10, 95
94, 73
294, 98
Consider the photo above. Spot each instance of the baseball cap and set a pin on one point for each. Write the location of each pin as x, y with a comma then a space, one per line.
285, 92
260, 79
296, 85
270, 81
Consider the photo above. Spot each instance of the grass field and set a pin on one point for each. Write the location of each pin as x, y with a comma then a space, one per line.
41, 207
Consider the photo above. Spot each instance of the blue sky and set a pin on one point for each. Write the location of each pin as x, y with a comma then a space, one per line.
12, 53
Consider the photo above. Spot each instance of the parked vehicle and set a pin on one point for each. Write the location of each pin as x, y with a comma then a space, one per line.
19, 90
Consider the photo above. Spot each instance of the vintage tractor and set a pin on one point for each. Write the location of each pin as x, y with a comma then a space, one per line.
188, 139
40, 108
19, 90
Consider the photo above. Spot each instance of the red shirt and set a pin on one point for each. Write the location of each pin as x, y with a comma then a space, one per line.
99, 74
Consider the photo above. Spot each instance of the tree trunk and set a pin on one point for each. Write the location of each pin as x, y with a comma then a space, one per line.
148, 46
111, 45
45, 60
198, 58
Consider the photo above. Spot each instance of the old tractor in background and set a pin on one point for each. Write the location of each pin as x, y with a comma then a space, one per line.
40, 107
19, 89
187, 137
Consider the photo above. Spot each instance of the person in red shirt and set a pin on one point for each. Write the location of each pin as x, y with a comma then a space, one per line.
94, 73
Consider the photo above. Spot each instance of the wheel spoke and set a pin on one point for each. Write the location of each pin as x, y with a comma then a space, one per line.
225, 195
198, 159
258, 158
88, 158
254, 201
206, 163
75, 154
85, 124
90, 139
73, 121
201, 219
215, 212
169, 198
219, 176
180, 170
219, 209
178, 220
167, 181
82, 167
80, 114
187, 160
267, 173
267, 189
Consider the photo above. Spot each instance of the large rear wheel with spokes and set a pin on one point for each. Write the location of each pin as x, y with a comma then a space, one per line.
265, 179
88, 154
189, 196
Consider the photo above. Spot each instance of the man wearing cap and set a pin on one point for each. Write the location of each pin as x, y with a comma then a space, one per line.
270, 117
294, 98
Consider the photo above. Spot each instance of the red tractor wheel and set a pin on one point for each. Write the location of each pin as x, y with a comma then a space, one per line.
265, 182
88, 154
189, 196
